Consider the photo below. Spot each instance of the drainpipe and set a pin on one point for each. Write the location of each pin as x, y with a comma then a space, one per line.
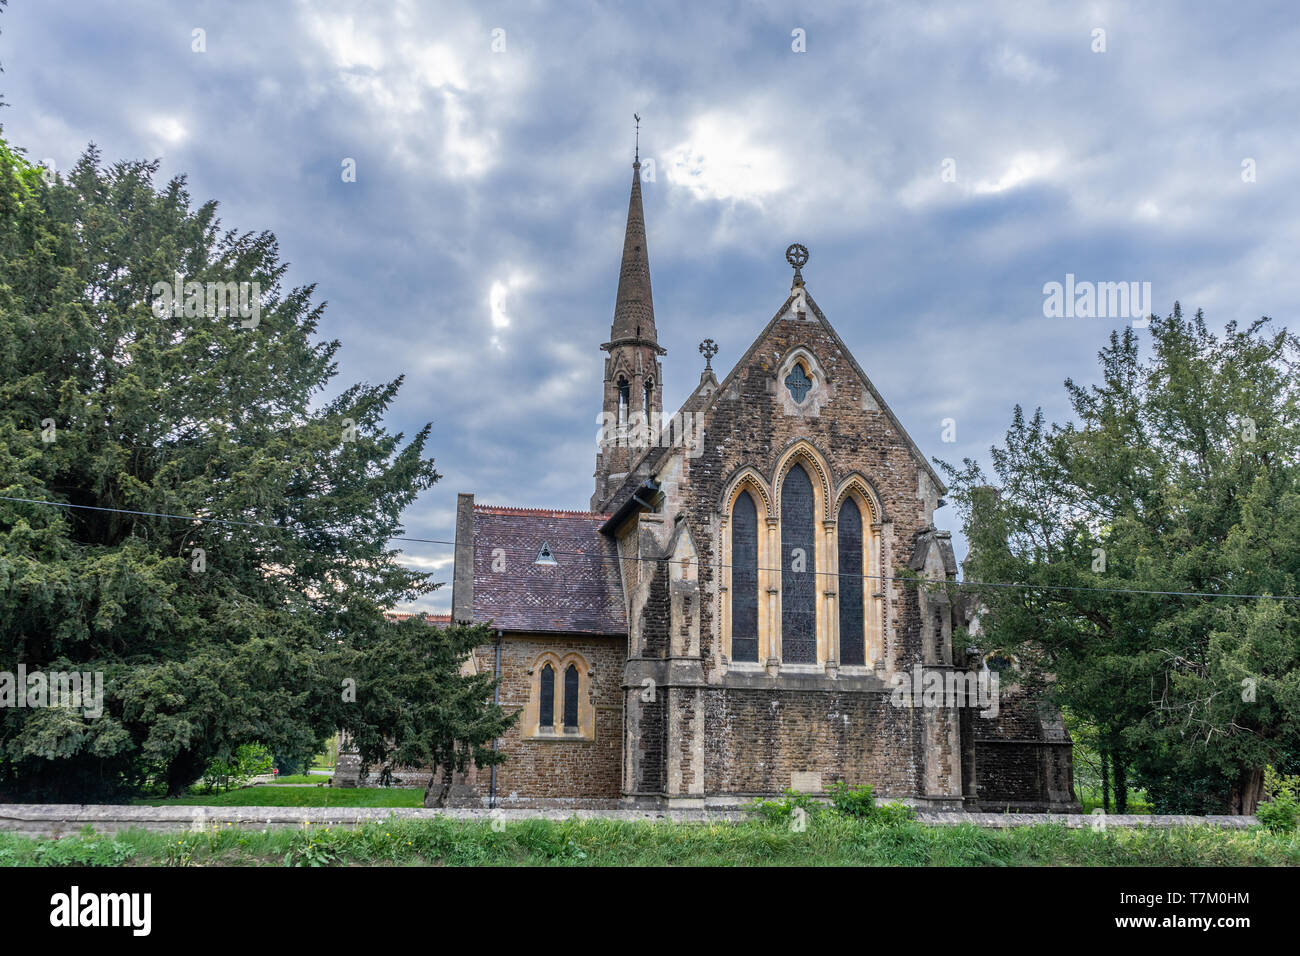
496, 698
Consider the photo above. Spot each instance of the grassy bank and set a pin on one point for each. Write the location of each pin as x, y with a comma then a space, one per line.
273, 796
827, 841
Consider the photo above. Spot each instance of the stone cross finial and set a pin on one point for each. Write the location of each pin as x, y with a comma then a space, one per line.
708, 348
797, 255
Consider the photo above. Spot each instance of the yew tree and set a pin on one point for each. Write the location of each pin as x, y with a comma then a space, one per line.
207, 516
1146, 555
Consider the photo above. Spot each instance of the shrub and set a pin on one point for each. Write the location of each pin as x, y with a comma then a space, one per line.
71, 851
860, 802
311, 852
856, 802
892, 813
782, 811
1281, 811
853, 801
248, 761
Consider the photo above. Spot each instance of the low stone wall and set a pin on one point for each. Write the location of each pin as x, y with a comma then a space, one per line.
1078, 821
63, 819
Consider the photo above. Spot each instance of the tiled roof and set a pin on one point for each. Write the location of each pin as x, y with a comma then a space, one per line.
442, 620
580, 593
544, 512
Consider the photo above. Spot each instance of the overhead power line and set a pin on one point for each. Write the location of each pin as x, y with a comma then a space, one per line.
972, 585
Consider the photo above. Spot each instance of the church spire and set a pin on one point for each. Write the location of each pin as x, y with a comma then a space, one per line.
634, 311
633, 389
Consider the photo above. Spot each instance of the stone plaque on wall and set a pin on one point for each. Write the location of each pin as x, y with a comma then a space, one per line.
806, 781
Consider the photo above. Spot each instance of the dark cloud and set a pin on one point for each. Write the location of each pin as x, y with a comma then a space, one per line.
477, 253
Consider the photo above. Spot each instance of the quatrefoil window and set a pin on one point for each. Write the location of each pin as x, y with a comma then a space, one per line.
798, 383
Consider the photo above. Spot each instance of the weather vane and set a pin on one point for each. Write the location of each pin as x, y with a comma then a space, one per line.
637, 117
797, 255
708, 348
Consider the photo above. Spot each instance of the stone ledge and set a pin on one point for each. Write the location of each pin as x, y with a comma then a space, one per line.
1079, 821
64, 819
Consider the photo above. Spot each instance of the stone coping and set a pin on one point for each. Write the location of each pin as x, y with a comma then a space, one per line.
49, 819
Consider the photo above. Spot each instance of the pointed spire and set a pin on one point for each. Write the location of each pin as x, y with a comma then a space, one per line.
633, 384
634, 312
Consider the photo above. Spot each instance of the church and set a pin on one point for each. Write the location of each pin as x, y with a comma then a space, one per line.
734, 613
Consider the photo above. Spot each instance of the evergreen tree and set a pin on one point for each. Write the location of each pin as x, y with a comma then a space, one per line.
1181, 474
421, 703
212, 633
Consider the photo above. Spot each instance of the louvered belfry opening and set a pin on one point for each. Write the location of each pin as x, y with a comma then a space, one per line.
798, 570
624, 401
744, 579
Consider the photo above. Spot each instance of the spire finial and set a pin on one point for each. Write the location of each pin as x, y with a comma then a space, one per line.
797, 255
637, 117
708, 348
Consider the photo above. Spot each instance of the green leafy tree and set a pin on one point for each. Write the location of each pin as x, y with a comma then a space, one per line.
248, 761
214, 633
420, 703
1180, 474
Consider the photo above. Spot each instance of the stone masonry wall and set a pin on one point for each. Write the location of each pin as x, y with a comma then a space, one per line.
550, 769
1021, 761
759, 740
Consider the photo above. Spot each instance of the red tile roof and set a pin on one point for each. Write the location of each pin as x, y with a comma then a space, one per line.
547, 512
441, 619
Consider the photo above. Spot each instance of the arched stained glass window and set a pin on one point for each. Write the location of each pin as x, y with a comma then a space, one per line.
852, 637
744, 579
546, 702
571, 697
798, 570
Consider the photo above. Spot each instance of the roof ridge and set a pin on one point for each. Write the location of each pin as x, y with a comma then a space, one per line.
549, 512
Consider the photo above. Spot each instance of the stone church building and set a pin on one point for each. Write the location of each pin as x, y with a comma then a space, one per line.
734, 614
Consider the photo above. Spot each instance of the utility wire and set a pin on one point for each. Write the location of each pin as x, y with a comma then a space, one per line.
837, 574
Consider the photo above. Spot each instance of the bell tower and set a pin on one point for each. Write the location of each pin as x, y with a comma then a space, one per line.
633, 388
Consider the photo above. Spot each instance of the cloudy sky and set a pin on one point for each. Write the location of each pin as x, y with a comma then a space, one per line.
941, 161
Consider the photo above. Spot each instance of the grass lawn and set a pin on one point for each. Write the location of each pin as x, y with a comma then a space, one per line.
828, 841
272, 796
